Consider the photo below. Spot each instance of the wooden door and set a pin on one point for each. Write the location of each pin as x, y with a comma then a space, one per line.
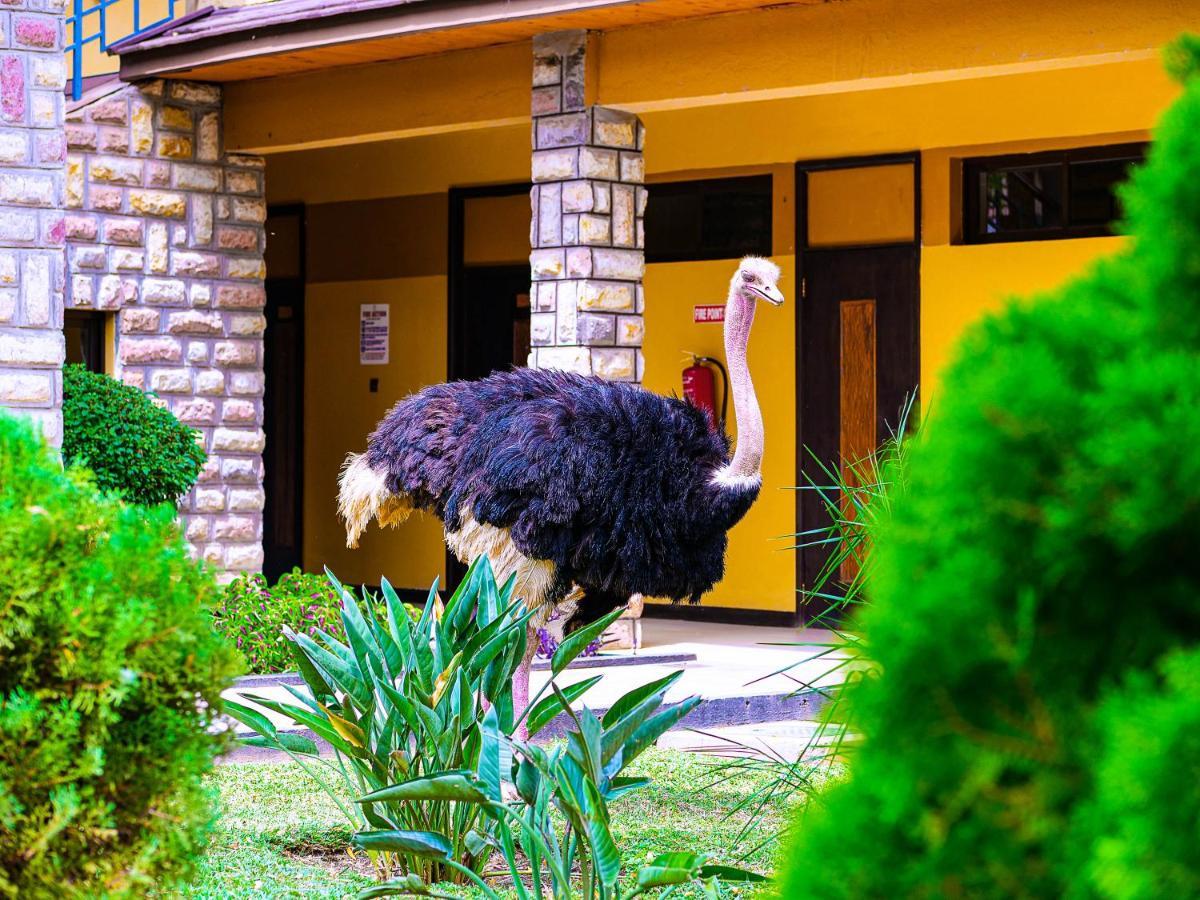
858, 333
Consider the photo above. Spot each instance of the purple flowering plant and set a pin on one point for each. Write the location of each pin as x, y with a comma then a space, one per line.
253, 615
547, 643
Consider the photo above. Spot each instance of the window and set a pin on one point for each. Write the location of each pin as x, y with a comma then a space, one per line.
1043, 196
719, 218
84, 333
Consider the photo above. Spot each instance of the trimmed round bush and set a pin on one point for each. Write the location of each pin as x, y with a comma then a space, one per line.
109, 677
134, 447
1035, 606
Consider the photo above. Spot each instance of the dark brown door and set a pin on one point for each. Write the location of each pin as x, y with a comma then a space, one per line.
283, 402
859, 337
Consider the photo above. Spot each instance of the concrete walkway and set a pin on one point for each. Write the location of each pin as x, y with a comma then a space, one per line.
736, 669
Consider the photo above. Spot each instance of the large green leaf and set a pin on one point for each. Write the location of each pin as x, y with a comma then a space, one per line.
316, 682
529, 779
402, 705
315, 721
251, 718
418, 843
605, 856
492, 755
343, 675
576, 642
459, 786
618, 710
615, 737
731, 874
547, 708
654, 727
585, 746
619, 786
295, 743
670, 868
366, 652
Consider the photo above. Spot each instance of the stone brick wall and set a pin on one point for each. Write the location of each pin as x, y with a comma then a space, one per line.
166, 229
587, 200
32, 74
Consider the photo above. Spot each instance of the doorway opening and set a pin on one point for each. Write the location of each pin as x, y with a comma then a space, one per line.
858, 241
488, 313
283, 400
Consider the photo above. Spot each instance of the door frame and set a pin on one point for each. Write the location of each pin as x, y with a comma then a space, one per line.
455, 262
455, 279
299, 210
803, 168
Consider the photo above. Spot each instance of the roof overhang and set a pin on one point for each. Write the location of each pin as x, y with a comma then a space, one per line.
289, 36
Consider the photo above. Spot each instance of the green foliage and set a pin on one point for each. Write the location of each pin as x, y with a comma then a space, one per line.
280, 836
255, 616
420, 714
1035, 587
857, 497
399, 699
559, 825
134, 448
109, 676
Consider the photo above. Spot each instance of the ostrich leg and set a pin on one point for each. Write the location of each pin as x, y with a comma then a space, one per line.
520, 687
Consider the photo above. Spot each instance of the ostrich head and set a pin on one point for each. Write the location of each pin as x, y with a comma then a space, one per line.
757, 279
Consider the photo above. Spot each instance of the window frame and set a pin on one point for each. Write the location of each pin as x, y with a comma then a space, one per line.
975, 168
94, 325
702, 184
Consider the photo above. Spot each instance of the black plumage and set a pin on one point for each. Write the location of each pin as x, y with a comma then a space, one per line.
609, 482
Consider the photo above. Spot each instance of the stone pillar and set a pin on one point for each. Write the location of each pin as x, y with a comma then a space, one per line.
166, 230
32, 75
586, 237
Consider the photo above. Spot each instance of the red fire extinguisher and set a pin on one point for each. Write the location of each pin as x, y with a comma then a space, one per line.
700, 387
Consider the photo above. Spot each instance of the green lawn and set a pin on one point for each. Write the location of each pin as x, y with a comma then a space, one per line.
280, 836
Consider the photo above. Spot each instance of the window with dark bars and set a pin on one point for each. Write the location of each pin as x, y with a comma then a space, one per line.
1044, 196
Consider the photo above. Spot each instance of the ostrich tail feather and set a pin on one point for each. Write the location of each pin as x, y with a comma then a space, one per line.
364, 495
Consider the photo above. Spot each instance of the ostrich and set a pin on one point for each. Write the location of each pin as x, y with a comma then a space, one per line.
590, 491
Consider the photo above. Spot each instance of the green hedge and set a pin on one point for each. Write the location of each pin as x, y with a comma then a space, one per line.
134, 447
1036, 606
109, 674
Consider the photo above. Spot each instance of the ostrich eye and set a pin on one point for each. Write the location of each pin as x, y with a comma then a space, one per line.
747, 276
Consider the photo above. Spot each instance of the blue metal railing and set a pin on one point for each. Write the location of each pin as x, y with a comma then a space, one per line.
88, 24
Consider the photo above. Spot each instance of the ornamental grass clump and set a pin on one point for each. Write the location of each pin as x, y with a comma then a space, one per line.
1034, 600
110, 676
135, 448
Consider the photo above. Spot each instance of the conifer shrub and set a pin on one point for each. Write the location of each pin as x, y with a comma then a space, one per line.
134, 447
109, 677
1035, 603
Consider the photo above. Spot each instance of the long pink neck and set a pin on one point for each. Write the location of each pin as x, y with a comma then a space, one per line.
746, 464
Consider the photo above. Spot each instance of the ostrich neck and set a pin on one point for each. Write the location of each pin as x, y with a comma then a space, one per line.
746, 465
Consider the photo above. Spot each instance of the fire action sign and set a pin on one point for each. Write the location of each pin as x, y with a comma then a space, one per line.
373, 334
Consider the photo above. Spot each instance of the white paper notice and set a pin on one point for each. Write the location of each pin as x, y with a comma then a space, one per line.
373, 334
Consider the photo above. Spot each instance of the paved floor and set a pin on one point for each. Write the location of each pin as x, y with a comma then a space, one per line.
738, 670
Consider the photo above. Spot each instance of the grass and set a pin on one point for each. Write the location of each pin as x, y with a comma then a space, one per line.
279, 836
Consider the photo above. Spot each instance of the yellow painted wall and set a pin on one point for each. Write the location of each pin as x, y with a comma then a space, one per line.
760, 570
829, 50
339, 413
959, 284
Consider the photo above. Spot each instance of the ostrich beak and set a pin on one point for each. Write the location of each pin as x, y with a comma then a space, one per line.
771, 294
